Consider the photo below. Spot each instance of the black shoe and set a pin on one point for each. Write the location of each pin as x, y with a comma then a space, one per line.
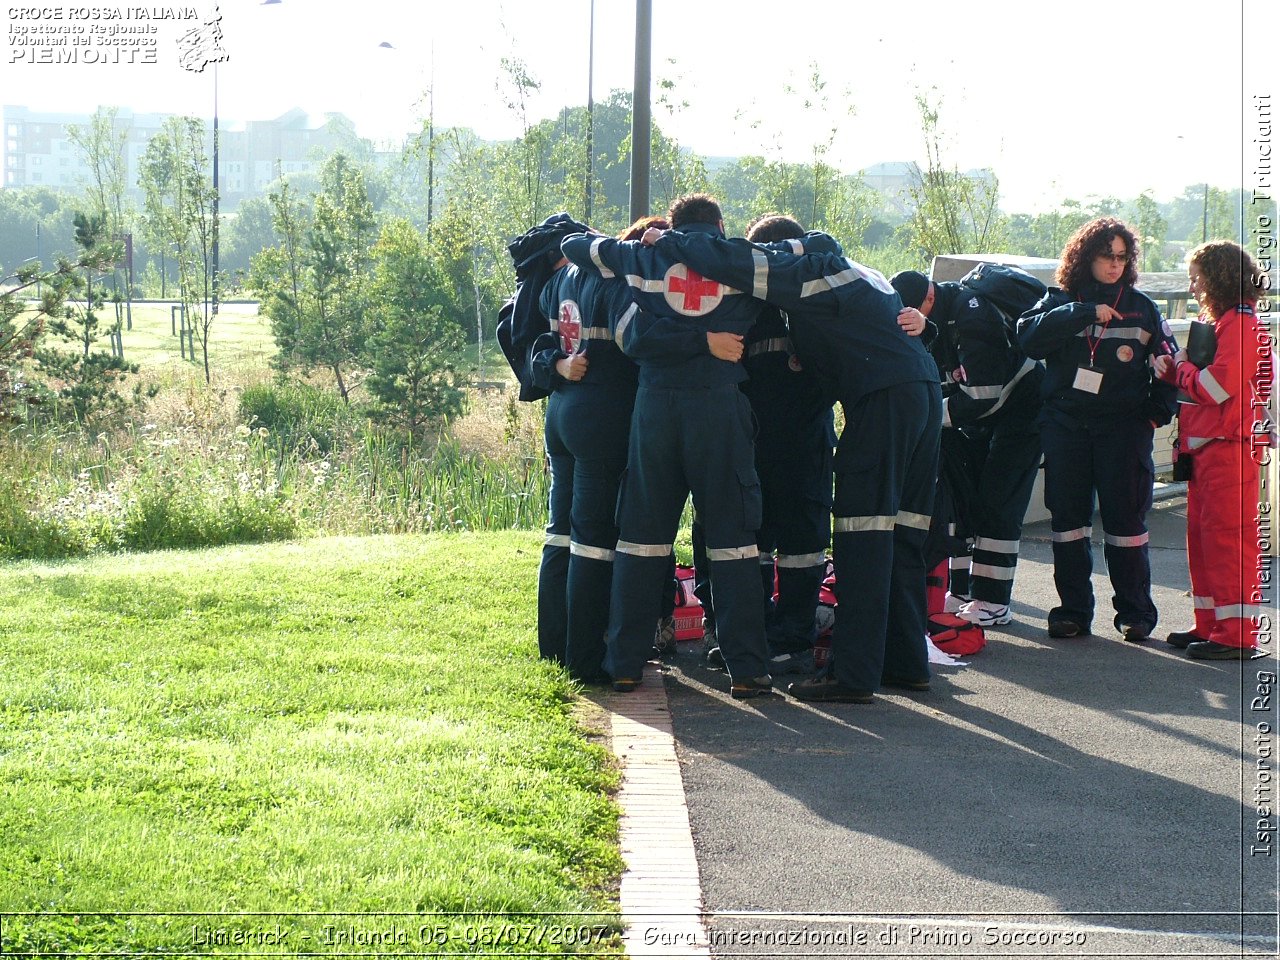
1212, 650
664, 639
1066, 628
1134, 632
826, 690
920, 686
751, 687
625, 684
1183, 639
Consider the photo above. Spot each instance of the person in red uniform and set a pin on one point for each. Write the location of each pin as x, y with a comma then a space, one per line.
1226, 432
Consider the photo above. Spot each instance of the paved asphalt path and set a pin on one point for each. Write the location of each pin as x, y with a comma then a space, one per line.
1085, 797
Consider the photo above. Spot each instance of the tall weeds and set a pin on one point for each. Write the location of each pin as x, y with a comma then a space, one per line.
269, 462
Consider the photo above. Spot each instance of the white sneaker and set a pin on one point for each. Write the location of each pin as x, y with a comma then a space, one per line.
985, 614
953, 602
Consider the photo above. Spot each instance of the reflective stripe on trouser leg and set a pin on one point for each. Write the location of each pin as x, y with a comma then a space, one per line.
553, 572
1004, 488
1229, 532
993, 567
589, 582
1125, 474
1068, 493
792, 628
735, 582
635, 604
959, 582
886, 473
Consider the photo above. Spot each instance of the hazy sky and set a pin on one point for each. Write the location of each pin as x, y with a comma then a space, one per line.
1062, 100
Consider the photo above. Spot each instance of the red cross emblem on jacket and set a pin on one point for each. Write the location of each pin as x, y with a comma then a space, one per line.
569, 326
690, 293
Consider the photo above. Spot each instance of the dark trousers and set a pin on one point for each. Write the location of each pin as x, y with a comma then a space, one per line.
1004, 454
886, 470
1112, 462
586, 440
699, 442
795, 486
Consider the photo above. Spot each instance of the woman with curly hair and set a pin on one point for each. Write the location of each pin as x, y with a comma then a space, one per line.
1216, 431
1098, 336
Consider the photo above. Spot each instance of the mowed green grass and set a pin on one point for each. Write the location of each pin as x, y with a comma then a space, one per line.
317, 730
238, 338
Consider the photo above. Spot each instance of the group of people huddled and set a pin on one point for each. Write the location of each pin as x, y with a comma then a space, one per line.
678, 362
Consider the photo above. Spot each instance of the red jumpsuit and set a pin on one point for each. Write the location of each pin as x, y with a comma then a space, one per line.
1226, 431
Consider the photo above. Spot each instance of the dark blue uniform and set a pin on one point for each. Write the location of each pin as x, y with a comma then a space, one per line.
991, 404
587, 425
691, 433
843, 324
1101, 405
794, 444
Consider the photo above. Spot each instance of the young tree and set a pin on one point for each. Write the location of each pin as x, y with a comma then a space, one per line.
315, 285
22, 325
102, 145
1152, 229
413, 348
276, 274
86, 379
954, 212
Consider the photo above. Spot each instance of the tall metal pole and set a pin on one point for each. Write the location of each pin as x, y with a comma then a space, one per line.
1204, 224
216, 189
591, 59
640, 114
431, 140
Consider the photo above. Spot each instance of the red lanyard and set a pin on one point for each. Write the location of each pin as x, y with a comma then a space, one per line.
1092, 341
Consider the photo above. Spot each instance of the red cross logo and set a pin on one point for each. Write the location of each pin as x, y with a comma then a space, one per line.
688, 292
570, 323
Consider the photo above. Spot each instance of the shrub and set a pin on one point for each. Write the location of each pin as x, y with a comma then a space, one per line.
298, 415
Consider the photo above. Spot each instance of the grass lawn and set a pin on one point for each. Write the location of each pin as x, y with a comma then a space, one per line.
337, 746
238, 338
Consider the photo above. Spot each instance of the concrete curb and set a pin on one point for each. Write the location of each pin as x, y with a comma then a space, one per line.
661, 898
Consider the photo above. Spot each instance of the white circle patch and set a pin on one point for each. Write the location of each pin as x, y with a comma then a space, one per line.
689, 293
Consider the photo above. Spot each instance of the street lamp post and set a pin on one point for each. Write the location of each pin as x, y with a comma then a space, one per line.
216, 189
640, 123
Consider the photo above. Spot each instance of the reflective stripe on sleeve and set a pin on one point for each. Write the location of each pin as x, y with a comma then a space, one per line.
623, 322
1139, 541
1195, 443
595, 258
1202, 603
797, 246
760, 275
862, 524
1212, 387
1066, 536
1117, 333
591, 553
556, 540
644, 549
733, 553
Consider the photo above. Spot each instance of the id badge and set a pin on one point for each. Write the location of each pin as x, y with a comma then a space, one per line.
1088, 380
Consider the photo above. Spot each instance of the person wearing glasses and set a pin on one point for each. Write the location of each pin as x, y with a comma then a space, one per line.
1098, 337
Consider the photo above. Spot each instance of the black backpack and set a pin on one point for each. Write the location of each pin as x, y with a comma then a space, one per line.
1011, 291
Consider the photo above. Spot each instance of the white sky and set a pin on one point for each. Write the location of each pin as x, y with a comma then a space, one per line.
1062, 100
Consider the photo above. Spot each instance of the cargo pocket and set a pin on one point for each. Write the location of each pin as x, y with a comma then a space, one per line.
752, 502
